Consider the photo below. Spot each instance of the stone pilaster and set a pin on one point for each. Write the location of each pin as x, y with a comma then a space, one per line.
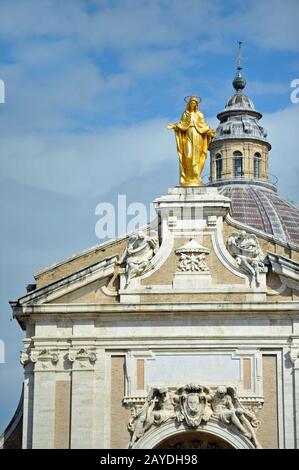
83, 385
294, 357
45, 362
27, 400
100, 401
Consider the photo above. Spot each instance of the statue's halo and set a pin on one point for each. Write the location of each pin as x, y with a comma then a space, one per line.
189, 96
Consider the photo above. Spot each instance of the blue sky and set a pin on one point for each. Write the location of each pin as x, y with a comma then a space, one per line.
90, 85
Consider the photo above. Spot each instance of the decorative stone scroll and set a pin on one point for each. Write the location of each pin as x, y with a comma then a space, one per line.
193, 405
43, 356
46, 357
24, 357
294, 353
83, 355
246, 250
140, 250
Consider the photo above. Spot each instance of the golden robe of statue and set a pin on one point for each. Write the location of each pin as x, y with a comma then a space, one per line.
193, 137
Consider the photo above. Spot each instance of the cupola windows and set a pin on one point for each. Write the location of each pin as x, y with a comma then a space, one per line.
238, 164
218, 160
257, 165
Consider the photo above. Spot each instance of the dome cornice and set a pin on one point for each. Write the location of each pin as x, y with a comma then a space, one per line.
241, 138
238, 112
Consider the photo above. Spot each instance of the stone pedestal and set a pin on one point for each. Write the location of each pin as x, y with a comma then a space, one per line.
191, 281
188, 210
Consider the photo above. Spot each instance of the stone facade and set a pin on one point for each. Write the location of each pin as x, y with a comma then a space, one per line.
96, 345
185, 334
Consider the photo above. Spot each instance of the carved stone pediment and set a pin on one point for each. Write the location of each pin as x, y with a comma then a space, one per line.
192, 270
192, 257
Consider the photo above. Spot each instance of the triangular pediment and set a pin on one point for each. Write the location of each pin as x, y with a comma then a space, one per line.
73, 286
192, 246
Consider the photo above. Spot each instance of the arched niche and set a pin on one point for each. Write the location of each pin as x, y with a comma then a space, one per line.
210, 435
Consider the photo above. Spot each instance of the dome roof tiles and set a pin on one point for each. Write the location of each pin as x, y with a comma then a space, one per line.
264, 210
239, 100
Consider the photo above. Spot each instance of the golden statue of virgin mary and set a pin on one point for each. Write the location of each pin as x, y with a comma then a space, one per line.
193, 137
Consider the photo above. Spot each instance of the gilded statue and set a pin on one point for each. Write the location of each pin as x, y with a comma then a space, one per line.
193, 137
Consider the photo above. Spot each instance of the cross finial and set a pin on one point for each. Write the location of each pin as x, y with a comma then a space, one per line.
239, 82
239, 59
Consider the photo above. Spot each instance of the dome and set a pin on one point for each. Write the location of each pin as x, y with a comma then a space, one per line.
264, 209
239, 119
239, 101
241, 126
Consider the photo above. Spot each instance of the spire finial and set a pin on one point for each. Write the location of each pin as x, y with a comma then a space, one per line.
239, 59
239, 82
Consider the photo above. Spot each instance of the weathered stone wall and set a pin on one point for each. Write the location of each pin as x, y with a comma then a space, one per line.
268, 432
62, 414
119, 414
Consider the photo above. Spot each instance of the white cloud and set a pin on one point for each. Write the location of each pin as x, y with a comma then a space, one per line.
85, 163
282, 127
131, 24
91, 163
256, 87
155, 62
47, 99
272, 24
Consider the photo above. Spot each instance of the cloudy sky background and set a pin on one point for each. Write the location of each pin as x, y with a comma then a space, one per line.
90, 85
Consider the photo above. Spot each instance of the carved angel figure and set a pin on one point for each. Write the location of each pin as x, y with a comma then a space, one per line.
159, 407
140, 250
247, 252
229, 410
165, 405
142, 419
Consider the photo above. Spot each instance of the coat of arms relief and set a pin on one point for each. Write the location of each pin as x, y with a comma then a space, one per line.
193, 405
